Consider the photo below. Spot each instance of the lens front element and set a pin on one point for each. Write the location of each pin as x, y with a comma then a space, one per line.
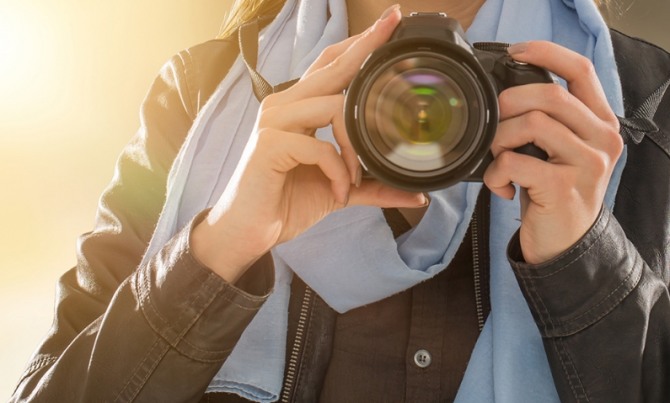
418, 119
415, 116
422, 115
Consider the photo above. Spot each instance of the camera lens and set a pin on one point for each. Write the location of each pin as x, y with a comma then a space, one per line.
418, 119
416, 116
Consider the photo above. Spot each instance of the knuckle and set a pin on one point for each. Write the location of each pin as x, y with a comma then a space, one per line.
505, 159
505, 99
615, 124
266, 117
270, 102
265, 135
266, 139
325, 148
535, 119
598, 162
584, 67
336, 64
330, 52
556, 94
614, 142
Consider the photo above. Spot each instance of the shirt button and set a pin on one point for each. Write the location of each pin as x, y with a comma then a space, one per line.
422, 358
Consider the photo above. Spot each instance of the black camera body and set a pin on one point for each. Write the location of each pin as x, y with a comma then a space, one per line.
422, 111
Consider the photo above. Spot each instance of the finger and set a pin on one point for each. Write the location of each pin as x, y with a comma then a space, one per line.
304, 115
375, 193
510, 167
336, 76
577, 70
284, 151
331, 52
560, 143
556, 102
346, 148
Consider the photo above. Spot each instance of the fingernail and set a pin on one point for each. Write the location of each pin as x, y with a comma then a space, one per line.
517, 48
389, 11
359, 176
426, 200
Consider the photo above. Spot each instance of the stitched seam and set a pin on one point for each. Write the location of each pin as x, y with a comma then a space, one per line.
178, 335
143, 379
150, 370
231, 298
565, 369
571, 372
200, 350
571, 329
216, 356
608, 296
533, 295
150, 309
540, 302
192, 262
118, 396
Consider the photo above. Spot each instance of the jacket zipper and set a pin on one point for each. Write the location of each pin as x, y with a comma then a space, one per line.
296, 350
287, 394
476, 270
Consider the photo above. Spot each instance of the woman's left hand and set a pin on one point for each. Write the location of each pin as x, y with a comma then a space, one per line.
580, 133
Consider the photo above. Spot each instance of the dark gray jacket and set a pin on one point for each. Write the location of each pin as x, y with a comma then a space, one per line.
160, 332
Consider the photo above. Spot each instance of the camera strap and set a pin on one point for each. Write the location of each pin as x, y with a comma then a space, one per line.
247, 36
639, 123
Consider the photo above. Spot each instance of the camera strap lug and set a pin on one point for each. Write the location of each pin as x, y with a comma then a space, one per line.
247, 36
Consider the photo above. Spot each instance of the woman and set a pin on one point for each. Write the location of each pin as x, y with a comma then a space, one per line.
159, 327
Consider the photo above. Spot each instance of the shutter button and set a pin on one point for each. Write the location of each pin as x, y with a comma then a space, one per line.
422, 358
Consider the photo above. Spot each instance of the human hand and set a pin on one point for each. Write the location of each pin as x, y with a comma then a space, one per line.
562, 196
291, 180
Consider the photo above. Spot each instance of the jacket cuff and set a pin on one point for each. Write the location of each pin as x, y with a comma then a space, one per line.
196, 311
582, 285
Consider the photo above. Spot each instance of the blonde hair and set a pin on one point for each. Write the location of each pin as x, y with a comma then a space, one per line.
243, 11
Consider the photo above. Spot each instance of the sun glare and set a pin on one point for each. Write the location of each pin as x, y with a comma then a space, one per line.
26, 48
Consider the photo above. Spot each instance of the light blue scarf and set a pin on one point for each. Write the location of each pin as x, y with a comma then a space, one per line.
363, 263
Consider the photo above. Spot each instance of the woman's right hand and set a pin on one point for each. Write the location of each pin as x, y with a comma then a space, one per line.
289, 180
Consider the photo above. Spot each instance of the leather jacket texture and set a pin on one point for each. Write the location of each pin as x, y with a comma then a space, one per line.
159, 332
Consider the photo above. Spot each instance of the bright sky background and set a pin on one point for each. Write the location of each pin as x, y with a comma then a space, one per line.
72, 76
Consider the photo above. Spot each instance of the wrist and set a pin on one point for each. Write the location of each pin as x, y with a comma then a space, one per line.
217, 249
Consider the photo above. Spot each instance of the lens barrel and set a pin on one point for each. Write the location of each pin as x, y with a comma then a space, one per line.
419, 111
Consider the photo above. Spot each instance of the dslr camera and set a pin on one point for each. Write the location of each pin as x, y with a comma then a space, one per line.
422, 111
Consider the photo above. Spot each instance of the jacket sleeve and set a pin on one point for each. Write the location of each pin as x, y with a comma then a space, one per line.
603, 306
158, 332
604, 316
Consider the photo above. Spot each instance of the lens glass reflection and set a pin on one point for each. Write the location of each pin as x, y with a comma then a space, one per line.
416, 116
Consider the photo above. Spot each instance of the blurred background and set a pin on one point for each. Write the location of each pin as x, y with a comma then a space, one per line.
72, 77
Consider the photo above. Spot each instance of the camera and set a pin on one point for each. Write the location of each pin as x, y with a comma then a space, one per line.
422, 111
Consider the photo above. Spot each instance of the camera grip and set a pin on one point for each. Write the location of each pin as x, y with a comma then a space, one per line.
521, 74
532, 150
